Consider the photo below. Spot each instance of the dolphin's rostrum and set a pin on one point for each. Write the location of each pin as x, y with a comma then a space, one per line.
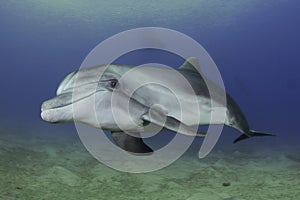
153, 95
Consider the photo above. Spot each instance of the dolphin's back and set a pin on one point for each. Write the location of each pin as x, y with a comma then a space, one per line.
235, 117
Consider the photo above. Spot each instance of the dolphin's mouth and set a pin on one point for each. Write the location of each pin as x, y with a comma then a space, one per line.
57, 102
63, 100
59, 108
71, 95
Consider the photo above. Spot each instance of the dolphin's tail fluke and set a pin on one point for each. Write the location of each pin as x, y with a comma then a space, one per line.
250, 134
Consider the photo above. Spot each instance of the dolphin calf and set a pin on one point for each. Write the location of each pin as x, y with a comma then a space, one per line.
125, 99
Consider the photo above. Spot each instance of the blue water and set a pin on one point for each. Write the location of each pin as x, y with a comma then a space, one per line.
254, 43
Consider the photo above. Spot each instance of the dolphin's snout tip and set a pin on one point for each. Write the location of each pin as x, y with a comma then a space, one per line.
48, 116
46, 113
47, 105
53, 112
45, 116
43, 106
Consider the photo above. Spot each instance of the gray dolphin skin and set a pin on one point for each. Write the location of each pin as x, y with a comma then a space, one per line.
125, 99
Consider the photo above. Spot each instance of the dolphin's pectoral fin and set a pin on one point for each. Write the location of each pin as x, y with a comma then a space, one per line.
130, 143
158, 116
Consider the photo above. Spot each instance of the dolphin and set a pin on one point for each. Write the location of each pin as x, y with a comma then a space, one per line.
147, 95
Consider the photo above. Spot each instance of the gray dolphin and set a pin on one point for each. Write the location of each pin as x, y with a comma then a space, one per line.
163, 101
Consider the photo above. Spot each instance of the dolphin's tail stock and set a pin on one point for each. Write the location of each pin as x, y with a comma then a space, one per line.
250, 134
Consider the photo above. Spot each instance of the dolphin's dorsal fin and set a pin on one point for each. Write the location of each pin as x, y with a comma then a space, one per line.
191, 64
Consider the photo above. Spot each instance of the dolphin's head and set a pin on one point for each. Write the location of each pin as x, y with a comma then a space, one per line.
84, 91
86, 96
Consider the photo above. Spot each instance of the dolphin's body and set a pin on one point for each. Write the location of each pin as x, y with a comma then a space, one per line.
101, 96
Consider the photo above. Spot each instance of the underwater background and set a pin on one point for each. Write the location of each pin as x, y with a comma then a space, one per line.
255, 45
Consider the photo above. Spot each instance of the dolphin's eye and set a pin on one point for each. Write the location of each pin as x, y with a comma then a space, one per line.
113, 83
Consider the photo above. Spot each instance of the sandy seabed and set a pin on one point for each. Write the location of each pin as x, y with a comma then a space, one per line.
38, 166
